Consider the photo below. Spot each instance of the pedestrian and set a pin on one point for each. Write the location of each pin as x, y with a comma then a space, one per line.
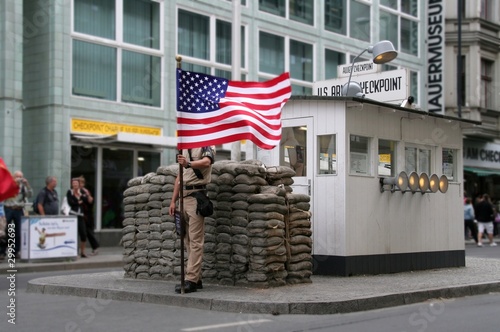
75, 201
14, 208
484, 216
48, 201
197, 170
88, 215
469, 218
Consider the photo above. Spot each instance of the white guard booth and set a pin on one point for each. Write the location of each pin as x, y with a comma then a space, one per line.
342, 149
49, 237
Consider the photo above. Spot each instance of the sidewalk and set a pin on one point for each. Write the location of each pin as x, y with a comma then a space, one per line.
325, 295
107, 257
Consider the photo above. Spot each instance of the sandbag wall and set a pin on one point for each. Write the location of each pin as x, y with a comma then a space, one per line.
259, 234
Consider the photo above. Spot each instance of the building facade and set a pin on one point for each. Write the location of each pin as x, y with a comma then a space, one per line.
478, 97
87, 87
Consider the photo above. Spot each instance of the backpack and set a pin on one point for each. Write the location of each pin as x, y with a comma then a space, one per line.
35, 202
35, 205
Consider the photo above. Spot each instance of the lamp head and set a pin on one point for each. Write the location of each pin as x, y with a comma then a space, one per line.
383, 52
413, 181
352, 89
434, 183
443, 184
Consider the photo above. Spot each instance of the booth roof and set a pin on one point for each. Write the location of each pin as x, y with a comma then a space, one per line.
466, 122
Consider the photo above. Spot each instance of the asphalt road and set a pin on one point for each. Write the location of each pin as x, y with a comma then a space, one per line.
41, 312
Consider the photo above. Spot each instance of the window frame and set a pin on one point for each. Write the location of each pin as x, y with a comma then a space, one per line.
401, 15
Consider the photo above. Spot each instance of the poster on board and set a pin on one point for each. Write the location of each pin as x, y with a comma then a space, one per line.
49, 237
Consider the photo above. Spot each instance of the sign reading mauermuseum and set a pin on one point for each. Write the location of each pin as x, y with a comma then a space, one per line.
435, 56
387, 86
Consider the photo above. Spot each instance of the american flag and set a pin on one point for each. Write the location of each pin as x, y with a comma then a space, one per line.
213, 110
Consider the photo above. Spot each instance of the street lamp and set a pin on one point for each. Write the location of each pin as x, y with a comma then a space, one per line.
383, 52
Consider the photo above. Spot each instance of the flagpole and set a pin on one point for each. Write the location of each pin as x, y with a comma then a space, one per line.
236, 64
181, 201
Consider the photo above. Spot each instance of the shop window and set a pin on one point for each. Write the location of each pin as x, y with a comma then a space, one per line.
147, 162
417, 160
293, 149
449, 166
387, 162
359, 153
117, 170
327, 154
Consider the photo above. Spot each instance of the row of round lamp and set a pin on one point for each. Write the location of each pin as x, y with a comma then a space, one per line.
415, 183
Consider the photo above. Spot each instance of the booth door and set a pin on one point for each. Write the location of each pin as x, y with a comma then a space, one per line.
296, 152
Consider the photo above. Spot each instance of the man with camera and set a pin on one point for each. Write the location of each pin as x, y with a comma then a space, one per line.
14, 208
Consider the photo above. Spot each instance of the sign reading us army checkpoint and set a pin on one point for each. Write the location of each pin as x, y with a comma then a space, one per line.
387, 86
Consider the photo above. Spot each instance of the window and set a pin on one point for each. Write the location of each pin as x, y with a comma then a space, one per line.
272, 61
487, 10
107, 55
359, 151
332, 60
414, 87
271, 53
302, 11
387, 158
293, 149
360, 21
194, 35
462, 81
487, 91
336, 16
276, 7
399, 23
299, 10
450, 163
417, 160
327, 154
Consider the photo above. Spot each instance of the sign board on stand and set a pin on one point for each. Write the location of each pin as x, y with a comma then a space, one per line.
44, 237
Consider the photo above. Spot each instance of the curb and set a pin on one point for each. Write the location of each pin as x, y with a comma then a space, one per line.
204, 302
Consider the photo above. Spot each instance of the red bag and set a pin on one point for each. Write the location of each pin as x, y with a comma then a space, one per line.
8, 187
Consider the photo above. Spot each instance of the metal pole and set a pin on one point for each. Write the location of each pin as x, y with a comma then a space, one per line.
181, 202
459, 60
236, 64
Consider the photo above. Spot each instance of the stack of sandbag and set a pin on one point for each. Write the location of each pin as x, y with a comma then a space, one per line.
170, 241
280, 176
208, 271
298, 232
267, 240
223, 250
248, 180
143, 200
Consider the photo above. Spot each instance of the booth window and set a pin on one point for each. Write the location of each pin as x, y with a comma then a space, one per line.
417, 160
359, 155
449, 163
293, 149
387, 157
327, 154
